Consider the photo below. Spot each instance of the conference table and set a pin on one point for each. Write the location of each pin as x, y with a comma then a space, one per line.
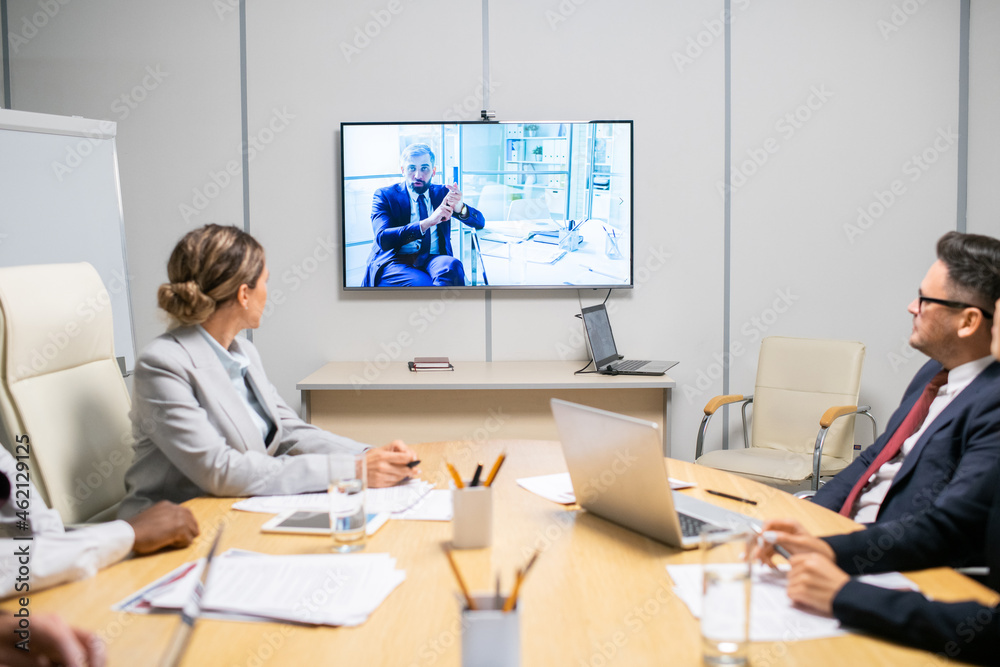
598, 594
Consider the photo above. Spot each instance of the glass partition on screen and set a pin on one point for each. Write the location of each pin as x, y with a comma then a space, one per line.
542, 204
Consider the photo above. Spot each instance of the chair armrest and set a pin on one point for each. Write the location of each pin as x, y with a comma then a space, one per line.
830, 416
711, 407
835, 413
719, 401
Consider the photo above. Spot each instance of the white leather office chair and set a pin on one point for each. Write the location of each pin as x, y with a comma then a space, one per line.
528, 209
61, 386
804, 404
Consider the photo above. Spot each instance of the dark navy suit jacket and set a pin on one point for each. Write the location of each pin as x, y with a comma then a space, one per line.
966, 631
393, 230
959, 447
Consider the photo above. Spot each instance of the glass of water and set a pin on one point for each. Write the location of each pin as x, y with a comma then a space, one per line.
348, 483
725, 609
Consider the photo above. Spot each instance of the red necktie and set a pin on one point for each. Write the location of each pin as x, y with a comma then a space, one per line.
910, 425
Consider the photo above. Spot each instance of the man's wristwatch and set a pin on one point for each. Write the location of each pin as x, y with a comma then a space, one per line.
464, 213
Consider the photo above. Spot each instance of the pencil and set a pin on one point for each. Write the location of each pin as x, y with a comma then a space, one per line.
479, 473
459, 484
495, 469
512, 598
469, 602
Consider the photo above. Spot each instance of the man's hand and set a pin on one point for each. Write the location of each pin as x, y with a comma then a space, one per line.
53, 642
454, 198
789, 534
387, 465
814, 581
442, 213
163, 525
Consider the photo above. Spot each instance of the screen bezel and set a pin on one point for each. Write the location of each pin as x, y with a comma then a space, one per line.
470, 288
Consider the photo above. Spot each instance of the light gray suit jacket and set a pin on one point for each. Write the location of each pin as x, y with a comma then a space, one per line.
194, 436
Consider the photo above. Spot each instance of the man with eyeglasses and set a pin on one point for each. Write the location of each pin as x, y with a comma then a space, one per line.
945, 435
821, 568
412, 225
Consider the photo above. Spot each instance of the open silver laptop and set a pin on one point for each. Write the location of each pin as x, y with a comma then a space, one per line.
605, 353
618, 471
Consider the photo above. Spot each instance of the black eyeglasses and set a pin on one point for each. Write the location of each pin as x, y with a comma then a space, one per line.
951, 304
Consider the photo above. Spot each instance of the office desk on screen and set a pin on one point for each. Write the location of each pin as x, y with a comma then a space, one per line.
595, 588
479, 400
524, 252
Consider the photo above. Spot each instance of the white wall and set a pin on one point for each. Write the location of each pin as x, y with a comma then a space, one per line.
659, 63
843, 102
984, 110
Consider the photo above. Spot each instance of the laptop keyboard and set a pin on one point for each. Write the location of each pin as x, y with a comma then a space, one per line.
629, 365
690, 526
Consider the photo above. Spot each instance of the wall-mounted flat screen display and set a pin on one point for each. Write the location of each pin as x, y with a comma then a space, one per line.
487, 205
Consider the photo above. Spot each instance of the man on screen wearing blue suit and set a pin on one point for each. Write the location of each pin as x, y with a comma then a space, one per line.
412, 225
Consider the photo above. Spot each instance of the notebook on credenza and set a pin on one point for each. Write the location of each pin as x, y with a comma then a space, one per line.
596, 442
605, 354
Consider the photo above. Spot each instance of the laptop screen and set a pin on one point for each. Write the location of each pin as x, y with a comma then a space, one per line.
602, 343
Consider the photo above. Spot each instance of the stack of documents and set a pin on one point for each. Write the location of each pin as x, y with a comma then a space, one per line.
394, 499
352, 586
773, 617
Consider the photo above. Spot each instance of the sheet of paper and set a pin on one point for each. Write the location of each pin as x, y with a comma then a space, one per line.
772, 616
392, 499
435, 506
315, 589
559, 489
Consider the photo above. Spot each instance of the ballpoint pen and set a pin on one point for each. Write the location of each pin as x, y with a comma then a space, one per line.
189, 614
731, 497
768, 536
477, 475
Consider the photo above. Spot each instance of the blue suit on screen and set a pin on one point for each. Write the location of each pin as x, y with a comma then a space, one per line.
393, 230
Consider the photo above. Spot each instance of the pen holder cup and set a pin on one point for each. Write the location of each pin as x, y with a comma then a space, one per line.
472, 523
491, 638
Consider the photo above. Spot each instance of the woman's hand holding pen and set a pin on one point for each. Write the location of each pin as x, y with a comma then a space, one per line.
390, 465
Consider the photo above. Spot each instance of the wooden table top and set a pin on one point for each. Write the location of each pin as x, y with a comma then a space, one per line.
598, 595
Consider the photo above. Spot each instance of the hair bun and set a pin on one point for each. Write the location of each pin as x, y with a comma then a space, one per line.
186, 302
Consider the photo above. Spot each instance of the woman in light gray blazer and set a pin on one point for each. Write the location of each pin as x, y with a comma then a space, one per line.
205, 419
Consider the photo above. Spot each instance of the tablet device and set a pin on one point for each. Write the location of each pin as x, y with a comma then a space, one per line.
315, 523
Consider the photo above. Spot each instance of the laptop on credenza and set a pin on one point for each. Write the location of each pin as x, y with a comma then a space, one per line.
618, 472
604, 352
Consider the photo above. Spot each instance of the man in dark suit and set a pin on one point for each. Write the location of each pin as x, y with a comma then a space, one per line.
821, 568
945, 435
412, 225
945, 534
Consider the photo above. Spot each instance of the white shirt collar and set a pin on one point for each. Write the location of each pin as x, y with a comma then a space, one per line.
960, 376
234, 362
